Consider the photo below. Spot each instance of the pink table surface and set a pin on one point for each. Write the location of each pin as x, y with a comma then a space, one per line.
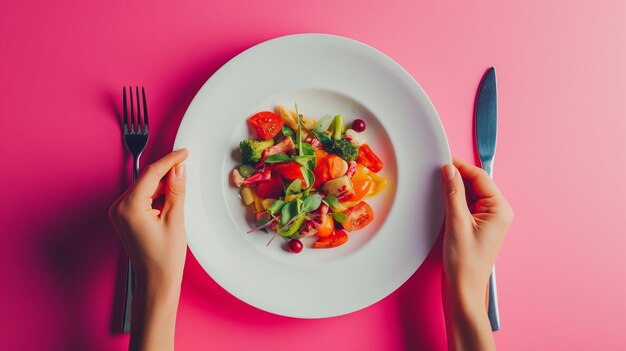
561, 161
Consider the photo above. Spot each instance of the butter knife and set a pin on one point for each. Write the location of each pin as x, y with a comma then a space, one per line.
486, 129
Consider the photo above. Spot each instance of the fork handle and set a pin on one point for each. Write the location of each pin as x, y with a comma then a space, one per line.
135, 168
130, 276
128, 298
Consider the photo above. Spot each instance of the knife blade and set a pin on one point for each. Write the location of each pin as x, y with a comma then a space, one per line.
486, 129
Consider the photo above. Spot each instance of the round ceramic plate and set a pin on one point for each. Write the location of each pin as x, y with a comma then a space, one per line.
323, 74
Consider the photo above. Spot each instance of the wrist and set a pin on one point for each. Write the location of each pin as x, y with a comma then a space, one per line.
158, 289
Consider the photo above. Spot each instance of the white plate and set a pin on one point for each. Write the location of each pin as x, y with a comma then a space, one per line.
322, 74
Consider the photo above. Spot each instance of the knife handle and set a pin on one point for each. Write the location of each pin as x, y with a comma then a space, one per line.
492, 310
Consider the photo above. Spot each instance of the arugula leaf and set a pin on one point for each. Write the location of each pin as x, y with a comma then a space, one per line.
323, 124
333, 203
311, 203
287, 131
277, 158
294, 188
340, 217
288, 212
276, 206
309, 177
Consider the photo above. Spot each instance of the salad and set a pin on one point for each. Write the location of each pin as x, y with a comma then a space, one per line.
308, 178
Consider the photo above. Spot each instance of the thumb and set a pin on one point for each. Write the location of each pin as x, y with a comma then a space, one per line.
175, 193
454, 195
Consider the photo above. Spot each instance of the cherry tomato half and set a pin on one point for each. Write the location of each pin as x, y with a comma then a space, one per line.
337, 238
267, 124
368, 158
358, 216
327, 227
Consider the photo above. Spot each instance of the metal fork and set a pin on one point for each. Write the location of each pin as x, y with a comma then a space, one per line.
135, 139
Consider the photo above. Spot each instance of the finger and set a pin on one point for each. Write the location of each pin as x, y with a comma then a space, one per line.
148, 182
175, 194
454, 199
482, 185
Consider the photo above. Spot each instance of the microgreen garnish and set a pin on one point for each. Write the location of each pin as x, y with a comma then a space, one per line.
275, 207
332, 201
288, 212
277, 158
311, 203
294, 188
309, 177
339, 217
262, 224
287, 132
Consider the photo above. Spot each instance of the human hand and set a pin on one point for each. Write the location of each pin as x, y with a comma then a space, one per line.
154, 236
477, 219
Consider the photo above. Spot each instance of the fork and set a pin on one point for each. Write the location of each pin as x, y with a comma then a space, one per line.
135, 139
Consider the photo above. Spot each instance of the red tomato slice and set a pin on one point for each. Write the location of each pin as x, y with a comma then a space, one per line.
267, 124
290, 170
272, 189
358, 216
337, 238
327, 227
368, 158
321, 171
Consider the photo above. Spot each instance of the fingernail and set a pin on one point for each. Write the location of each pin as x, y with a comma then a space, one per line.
180, 170
448, 172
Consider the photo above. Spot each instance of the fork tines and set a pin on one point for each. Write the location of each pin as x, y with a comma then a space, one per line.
139, 125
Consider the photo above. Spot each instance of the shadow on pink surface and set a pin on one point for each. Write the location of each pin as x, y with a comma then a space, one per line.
73, 252
418, 301
420, 305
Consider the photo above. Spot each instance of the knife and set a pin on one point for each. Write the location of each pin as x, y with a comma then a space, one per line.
486, 129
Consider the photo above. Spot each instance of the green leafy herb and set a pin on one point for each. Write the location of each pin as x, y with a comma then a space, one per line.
287, 131
340, 217
299, 204
323, 124
277, 158
332, 201
309, 177
323, 138
299, 135
304, 160
246, 170
311, 203
293, 227
262, 222
308, 150
294, 188
276, 206
288, 212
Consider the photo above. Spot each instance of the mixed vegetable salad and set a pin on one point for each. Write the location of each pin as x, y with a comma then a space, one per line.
304, 177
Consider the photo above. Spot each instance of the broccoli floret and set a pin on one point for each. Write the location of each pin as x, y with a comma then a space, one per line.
342, 148
251, 150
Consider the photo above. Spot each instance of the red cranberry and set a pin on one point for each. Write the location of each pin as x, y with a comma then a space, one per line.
295, 245
358, 125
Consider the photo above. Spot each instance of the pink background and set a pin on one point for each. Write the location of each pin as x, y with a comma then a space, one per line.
561, 161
